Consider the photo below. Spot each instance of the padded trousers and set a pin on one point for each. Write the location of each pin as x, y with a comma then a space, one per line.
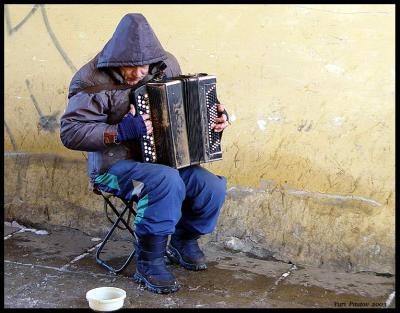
190, 198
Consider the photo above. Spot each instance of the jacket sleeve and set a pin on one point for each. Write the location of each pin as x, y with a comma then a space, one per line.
84, 124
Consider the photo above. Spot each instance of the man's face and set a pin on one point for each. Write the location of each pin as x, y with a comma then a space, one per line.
134, 74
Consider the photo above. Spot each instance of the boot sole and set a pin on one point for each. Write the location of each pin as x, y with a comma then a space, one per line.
175, 257
137, 277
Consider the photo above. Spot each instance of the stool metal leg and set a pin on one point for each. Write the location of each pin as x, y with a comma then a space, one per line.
128, 206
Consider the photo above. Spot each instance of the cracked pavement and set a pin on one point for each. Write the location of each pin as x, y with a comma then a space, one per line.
54, 266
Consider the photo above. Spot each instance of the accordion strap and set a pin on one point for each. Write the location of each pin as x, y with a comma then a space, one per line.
158, 73
102, 87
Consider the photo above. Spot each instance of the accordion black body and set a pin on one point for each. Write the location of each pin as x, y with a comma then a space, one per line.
182, 110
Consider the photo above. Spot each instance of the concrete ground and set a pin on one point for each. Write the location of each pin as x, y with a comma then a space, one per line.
53, 267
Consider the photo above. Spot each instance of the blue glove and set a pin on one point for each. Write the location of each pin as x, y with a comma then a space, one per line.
131, 127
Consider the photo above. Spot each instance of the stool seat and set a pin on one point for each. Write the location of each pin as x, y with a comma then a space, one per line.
120, 219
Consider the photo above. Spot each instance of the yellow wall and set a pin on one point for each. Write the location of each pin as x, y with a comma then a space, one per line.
309, 88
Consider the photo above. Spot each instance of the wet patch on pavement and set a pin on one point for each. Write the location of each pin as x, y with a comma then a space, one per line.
58, 247
56, 271
317, 297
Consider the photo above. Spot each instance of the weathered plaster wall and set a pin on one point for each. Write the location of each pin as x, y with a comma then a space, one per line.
310, 90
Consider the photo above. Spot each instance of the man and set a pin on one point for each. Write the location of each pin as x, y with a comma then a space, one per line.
100, 119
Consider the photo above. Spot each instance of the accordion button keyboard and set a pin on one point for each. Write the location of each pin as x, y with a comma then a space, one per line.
214, 137
148, 147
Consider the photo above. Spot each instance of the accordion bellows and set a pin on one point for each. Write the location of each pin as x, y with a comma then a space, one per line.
182, 110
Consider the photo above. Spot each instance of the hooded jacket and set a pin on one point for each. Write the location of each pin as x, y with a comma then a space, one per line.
90, 120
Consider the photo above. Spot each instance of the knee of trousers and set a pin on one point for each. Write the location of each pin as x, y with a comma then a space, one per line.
216, 189
170, 181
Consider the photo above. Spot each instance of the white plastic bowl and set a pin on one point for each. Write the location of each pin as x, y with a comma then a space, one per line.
106, 298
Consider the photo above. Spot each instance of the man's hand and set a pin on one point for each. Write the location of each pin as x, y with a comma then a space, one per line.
133, 127
146, 119
220, 122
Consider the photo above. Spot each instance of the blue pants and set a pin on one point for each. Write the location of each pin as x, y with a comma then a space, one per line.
190, 198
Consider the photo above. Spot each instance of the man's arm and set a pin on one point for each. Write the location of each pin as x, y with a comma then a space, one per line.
84, 125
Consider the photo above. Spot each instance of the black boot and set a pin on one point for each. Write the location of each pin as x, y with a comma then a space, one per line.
150, 265
183, 249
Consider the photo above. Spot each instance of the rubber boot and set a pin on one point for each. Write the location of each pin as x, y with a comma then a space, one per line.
184, 250
151, 269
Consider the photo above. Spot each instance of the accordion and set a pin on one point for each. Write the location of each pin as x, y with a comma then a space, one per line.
182, 110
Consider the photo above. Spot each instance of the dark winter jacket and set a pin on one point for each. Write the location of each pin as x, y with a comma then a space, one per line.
91, 117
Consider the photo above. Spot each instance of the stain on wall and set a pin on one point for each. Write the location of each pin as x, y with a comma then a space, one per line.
309, 89
46, 122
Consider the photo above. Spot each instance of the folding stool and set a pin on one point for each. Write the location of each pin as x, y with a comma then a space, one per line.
120, 218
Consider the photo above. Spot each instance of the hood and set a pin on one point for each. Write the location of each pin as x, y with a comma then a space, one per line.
133, 43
